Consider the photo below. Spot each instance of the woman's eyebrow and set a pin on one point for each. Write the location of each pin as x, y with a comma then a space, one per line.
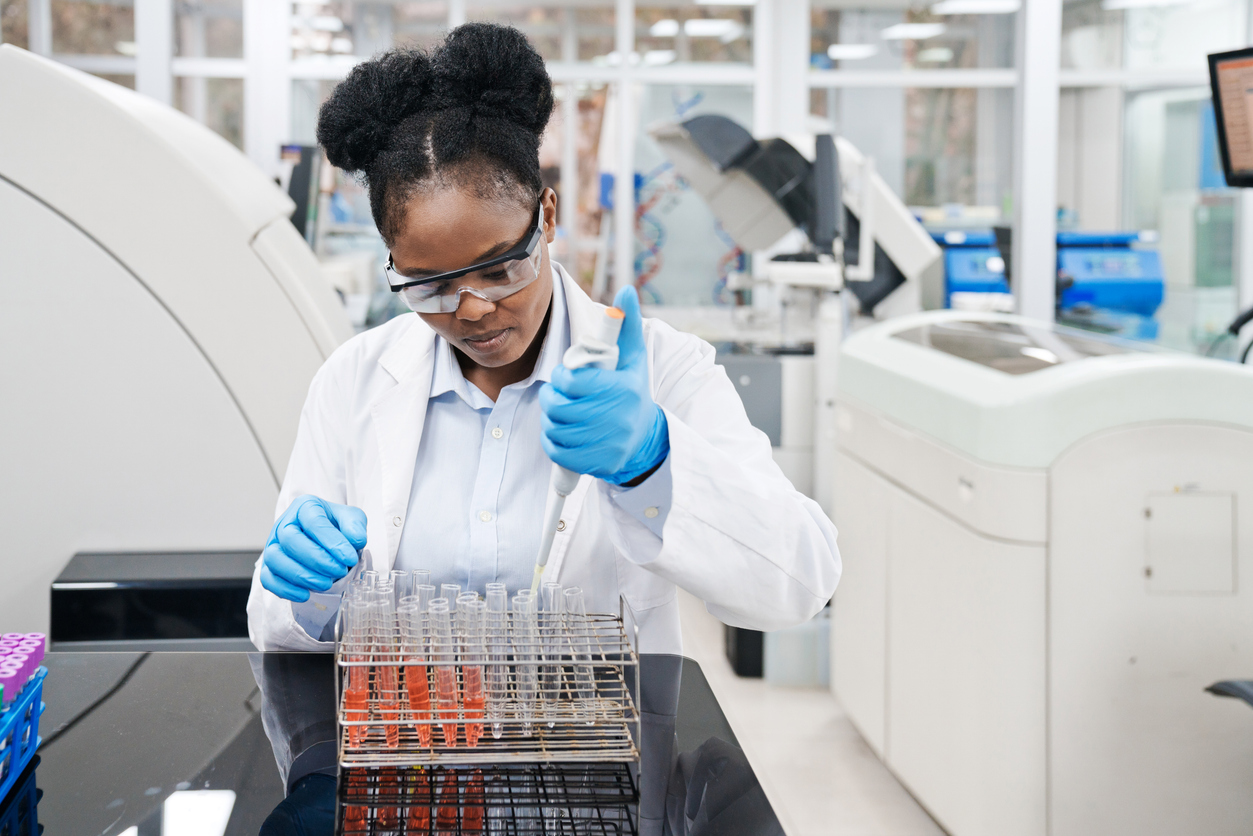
490, 253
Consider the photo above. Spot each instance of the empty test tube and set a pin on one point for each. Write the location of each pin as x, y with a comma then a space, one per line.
498, 650
578, 632
472, 615
443, 653
525, 654
403, 582
450, 591
551, 628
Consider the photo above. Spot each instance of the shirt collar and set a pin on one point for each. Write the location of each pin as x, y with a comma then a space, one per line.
447, 376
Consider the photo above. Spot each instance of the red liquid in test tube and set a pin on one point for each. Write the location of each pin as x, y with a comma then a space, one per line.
446, 817
419, 818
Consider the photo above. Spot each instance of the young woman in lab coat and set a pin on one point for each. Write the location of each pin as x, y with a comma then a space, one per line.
429, 438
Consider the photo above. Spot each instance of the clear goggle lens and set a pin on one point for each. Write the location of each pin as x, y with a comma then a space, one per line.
492, 285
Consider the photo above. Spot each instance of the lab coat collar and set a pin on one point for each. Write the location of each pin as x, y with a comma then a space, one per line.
399, 415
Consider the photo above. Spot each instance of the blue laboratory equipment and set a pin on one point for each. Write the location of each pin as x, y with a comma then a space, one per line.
972, 263
1108, 281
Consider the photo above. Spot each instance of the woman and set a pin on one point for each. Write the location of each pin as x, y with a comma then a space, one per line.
430, 437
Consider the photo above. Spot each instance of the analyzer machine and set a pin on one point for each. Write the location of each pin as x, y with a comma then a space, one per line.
1045, 534
162, 319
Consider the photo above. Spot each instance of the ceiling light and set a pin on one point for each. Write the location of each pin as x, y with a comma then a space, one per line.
664, 28
912, 31
935, 55
1118, 5
705, 27
976, 7
726, 2
658, 57
851, 52
326, 23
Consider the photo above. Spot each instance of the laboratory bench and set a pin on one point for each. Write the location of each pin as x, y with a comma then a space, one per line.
132, 740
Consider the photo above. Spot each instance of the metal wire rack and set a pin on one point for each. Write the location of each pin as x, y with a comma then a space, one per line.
582, 710
535, 799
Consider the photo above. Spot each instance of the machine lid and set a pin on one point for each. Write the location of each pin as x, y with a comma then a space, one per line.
1012, 347
1006, 390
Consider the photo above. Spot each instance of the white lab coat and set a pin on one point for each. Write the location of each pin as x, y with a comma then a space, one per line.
738, 535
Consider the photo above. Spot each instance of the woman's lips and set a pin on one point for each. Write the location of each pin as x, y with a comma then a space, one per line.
488, 342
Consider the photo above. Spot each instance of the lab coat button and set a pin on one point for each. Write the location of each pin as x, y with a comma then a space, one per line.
497, 432
651, 511
485, 516
561, 525
396, 521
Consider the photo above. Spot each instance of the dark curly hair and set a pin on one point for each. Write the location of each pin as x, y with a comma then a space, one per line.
469, 114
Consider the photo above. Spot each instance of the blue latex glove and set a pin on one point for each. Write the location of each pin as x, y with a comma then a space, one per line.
604, 421
311, 546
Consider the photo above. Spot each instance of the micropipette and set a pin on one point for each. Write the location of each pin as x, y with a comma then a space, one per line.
599, 351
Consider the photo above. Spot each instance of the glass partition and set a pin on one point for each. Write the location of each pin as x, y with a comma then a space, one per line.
217, 103
85, 28
686, 32
943, 36
209, 29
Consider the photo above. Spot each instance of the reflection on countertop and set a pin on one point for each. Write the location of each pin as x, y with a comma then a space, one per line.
141, 740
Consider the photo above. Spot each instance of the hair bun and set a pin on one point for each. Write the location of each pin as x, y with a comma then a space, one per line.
356, 123
493, 71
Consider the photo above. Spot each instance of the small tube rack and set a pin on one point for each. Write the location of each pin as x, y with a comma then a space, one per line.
565, 702
19, 730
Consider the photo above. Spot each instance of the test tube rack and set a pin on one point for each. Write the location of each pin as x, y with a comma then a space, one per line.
581, 720
547, 799
19, 730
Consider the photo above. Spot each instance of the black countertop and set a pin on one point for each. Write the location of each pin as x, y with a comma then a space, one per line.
127, 736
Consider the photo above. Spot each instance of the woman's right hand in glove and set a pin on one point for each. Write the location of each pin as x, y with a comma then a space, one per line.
313, 544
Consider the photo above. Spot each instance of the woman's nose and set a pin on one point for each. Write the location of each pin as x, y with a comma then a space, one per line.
472, 308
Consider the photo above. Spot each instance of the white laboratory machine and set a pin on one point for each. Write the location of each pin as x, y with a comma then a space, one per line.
818, 220
160, 321
1047, 540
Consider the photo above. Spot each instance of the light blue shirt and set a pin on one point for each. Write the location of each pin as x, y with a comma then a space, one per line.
481, 479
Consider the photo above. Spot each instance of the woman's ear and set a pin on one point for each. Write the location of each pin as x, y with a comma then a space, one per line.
549, 207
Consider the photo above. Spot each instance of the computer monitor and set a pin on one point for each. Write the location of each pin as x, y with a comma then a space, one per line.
1231, 78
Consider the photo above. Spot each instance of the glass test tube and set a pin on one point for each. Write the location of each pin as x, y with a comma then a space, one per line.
525, 654
472, 612
447, 815
498, 648
419, 818
450, 591
472, 803
386, 669
443, 653
578, 630
551, 626
403, 582
417, 680
357, 692
425, 593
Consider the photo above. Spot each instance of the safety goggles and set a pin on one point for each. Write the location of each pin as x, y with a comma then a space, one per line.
491, 280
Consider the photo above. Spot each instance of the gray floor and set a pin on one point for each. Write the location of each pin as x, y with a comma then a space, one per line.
818, 773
